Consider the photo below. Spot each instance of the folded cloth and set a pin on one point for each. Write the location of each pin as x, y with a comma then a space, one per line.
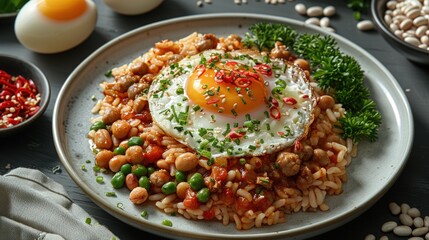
33, 206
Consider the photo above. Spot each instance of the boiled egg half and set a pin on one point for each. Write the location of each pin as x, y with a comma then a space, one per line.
52, 26
230, 104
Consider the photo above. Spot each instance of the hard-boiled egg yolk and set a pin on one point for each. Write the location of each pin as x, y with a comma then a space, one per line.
227, 89
62, 10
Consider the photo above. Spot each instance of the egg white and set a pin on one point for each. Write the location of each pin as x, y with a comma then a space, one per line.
205, 131
44, 35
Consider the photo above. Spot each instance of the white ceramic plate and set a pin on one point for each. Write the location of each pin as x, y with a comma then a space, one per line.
371, 174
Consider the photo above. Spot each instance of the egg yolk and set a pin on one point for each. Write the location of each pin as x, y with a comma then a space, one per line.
228, 89
62, 10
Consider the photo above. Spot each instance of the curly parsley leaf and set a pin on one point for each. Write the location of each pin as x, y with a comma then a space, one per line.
265, 35
335, 72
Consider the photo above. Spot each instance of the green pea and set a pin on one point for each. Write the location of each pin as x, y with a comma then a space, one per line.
98, 125
150, 170
196, 181
126, 168
135, 141
180, 176
203, 195
118, 180
144, 182
168, 188
119, 151
139, 170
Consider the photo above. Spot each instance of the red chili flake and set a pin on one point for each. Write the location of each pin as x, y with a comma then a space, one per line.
235, 134
275, 112
212, 101
263, 69
201, 69
304, 96
231, 63
242, 82
298, 146
289, 101
274, 102
213, 59
281, 134
19, 99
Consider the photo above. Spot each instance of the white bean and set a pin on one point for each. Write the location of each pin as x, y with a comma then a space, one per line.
313, 21
388, 226
315, 11
395, 209
414, 212
418, 222
325, 22
412, 40
420, 231
329, 11
402, 231
365, 25
370, 237
426, 221
421, 31
300, 8
384, 238
406, 219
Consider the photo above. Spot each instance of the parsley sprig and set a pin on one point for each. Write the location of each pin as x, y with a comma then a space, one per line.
335, 72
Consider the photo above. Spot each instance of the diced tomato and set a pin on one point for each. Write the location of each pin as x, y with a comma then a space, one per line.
191, 201
219, 173
209, 214
153, 153
144, 116
227, 196
243, 205
248, 175
263, 201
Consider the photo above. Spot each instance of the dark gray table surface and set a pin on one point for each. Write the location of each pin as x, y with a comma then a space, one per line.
34, 148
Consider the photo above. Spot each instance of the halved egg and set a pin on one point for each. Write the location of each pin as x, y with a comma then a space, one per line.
51, 26
234, 104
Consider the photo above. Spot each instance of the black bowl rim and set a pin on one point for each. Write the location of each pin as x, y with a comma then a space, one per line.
381, 24
41, 83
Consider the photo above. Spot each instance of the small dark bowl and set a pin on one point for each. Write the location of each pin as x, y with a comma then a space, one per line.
15, 66
413, 53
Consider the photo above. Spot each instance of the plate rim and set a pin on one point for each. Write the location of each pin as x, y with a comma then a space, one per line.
155, 227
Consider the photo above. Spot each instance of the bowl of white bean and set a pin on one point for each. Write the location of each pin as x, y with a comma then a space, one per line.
405, 25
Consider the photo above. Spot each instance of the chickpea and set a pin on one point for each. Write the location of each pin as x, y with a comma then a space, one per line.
103, 157
120, 129
138, 195
135, 154
181, 190
131, 181
320, 156
326, 101
102, 139
158, 178
306, 153
116, 162
302, 63
139, 104
111, 115
186, 162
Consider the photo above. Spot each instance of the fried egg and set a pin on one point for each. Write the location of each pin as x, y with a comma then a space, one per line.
231, 104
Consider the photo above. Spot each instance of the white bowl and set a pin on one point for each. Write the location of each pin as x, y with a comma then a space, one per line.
132, 7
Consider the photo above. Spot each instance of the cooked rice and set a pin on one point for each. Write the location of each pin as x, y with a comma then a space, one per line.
309, 195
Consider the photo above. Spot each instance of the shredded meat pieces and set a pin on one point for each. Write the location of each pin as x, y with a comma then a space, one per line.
289, 163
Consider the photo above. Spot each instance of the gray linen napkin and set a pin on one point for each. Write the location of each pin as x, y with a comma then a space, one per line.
34, 207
